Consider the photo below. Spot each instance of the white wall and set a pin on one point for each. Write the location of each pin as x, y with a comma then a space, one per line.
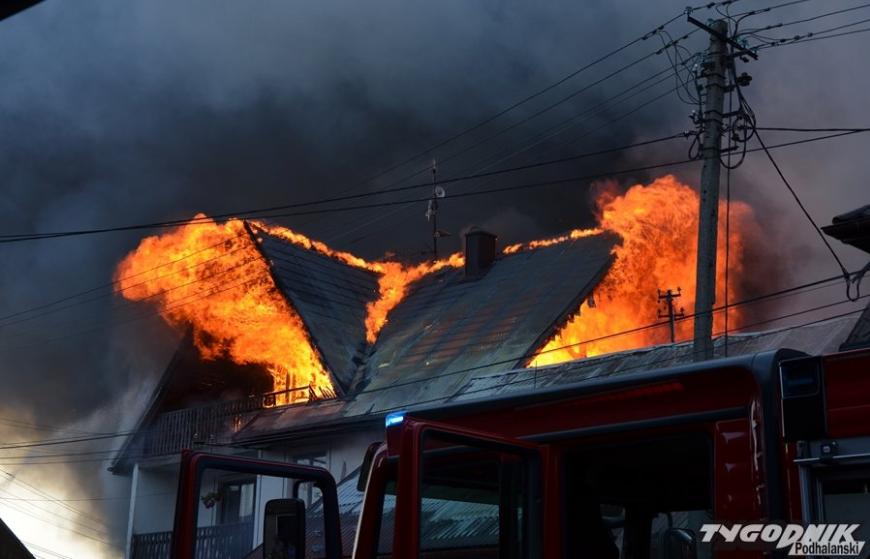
154, 509
156, 489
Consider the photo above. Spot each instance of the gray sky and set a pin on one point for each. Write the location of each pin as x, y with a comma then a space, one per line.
121, 112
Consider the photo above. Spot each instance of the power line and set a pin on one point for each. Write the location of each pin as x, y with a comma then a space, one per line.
804, 20
811, 36
112, 283
539, 184
170, 223
52, 442
649, 326
645, 365
157, 294
57, 309
26, 512
256, 212
540, 92
187, 300
748, 301
802, 207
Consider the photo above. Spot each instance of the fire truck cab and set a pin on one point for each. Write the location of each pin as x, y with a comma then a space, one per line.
629, 466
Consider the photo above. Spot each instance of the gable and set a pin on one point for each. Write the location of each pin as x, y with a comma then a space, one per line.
330, 297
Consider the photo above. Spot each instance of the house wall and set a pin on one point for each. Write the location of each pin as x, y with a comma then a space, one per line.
156, 486
155, 491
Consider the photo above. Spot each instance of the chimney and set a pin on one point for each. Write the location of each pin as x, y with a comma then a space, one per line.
479, 252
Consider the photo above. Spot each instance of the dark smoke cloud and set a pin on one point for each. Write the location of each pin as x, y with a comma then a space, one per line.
120, 112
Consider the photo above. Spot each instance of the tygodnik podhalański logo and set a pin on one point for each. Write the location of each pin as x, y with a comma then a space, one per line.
833, 540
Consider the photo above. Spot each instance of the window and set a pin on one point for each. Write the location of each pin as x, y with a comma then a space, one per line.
845, 498
237, 501
474, 499
625, 500
307, 492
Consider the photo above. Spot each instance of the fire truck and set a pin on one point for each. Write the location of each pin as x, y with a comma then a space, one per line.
624, 467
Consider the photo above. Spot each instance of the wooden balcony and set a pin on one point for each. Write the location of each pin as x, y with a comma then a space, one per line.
212, 424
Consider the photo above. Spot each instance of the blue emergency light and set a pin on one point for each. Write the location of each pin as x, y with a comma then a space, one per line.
395, 418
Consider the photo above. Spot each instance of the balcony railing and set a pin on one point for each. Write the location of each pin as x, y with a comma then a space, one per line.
227, 541
213, 424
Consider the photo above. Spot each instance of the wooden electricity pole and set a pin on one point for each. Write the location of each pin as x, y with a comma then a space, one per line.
708, 217
672, 314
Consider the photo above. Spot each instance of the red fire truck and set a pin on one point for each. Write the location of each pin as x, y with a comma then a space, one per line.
629, 466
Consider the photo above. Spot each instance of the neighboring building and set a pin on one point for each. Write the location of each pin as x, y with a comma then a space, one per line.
457, 335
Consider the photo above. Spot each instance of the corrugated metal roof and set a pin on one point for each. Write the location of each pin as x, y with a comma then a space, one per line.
820, 338
329, 295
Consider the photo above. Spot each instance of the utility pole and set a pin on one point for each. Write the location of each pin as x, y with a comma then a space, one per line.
671, 314
432, 211
708, 216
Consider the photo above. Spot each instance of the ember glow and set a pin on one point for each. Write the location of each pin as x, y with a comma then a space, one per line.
658, 224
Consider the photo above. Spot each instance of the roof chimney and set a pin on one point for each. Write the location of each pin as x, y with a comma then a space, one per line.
479, 252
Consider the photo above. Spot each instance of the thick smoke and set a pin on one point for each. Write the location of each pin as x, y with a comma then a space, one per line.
122, 112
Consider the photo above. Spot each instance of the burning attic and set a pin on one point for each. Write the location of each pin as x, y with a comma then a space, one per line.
324, 323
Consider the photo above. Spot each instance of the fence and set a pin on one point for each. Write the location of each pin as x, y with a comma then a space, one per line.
227, 541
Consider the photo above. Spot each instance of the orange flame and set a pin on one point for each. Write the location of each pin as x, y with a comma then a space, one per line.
658, 224
531, 245
393, 286
211, 277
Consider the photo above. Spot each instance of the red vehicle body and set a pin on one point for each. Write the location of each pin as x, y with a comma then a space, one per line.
627, 466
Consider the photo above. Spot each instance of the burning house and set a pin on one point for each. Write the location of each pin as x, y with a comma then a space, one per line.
294, 351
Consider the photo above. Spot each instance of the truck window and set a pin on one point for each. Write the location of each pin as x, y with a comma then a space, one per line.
232, 513
622, 499
845, 498
474, 501
474, 504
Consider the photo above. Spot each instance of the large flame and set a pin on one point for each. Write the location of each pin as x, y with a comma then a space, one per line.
393, 281
210, 277
658, 224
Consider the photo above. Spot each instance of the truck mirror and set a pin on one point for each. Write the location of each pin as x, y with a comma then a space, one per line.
284, 529
679, 543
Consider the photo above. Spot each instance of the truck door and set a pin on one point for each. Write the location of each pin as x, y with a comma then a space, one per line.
463, 493
244, 508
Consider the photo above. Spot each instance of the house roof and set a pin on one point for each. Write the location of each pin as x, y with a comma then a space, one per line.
286, 423
447, 323
330, 297
859, 337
